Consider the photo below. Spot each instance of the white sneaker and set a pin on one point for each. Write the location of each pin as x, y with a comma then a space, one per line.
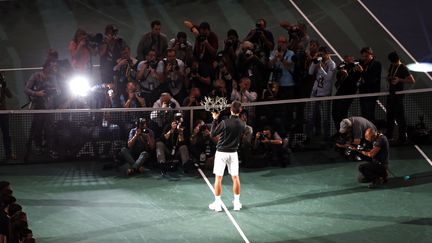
216, 206
237, 205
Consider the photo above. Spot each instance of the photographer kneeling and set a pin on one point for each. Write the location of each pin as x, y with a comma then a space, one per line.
375, 171
140, 144
202, 145
270, 145
172, 145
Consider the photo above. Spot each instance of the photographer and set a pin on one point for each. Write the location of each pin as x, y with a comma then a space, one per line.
231, 51
183, 47
135, 96
375, 171
370, 82
323, 68
147, 77
270, 145
5, 93
163, 117
398, 75
202, 145
224, 69
172, 145
251, 66
352, 134
42, 88
199, 76
81, 50
297, 34
141, 143
347, 80
125, 71
262, 39
153, 40
109, 52
171, 74
206, 42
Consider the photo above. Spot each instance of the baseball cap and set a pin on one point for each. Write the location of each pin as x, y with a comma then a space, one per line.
344, 125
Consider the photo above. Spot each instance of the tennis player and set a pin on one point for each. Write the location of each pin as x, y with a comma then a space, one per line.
229, 131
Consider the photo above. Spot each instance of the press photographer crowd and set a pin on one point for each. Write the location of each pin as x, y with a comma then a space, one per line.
178, 72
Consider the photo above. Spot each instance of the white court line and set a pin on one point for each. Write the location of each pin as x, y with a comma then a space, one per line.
390, 34
316, 29
339, 56
423, 154
224, 207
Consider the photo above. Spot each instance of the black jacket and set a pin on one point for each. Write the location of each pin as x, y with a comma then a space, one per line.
230, 131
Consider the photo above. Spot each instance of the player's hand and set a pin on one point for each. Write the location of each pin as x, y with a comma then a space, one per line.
215, 115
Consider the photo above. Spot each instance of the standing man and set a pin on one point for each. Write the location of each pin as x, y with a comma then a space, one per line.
230, 132
370, 82
155, 40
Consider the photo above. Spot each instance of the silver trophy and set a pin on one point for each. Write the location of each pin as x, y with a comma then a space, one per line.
216, 104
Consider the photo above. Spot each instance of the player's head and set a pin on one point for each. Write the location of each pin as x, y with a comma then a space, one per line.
236, 108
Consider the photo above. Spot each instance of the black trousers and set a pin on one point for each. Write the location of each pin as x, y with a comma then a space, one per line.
367, 107
340, 111
4, 125
372, 171
396, 112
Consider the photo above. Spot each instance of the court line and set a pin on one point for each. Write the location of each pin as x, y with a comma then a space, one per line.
339, 56
316, 29
236, 225
390, 34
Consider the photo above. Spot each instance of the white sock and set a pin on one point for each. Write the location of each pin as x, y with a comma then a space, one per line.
218, 199
237, 197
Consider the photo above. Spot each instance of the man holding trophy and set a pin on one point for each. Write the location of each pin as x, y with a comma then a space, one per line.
229, 131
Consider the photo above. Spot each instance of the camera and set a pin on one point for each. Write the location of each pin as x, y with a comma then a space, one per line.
204, 128
152, 64
194, 70
51, 91
262, 136
248, 53
140, 123
140, 94
94, 40
202, 37
347, 65
178, 117
317, 60
258, 24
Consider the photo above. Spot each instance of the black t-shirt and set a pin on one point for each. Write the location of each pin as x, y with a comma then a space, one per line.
230, 131
400, 71
371, 75
383, 154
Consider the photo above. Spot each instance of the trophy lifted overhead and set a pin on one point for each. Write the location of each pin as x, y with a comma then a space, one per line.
216, 104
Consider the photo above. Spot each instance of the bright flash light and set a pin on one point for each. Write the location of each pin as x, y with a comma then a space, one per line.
420, 67
79, 86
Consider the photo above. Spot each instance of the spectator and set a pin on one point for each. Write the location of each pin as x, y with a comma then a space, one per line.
153, 40
225, 70
183, 47
398, 75
245, 95
4, 221
5, 93
297, 34
220, 89
231, 51
371, 82
140, 145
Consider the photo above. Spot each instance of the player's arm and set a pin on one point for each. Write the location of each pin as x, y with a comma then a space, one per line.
216, 127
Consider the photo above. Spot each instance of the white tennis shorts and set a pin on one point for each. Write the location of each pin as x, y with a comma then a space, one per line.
223, 159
